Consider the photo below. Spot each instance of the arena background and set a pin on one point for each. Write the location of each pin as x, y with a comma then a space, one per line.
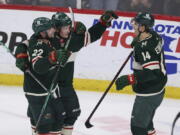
97, 63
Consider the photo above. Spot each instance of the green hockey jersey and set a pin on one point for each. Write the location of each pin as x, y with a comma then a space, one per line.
43, 70
149, 65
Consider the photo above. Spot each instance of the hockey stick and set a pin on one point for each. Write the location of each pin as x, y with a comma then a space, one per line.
47, 98
27, 70
72, 16
54, 79
174, 122
87, 123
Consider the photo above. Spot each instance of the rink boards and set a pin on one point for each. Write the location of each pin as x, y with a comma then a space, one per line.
97, 63
88, 85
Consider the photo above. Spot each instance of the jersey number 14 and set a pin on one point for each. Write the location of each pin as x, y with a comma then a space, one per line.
146, 55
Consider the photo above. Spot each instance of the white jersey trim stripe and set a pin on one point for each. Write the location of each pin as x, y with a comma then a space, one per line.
87, 38
152, 65
137, 65
26, 42
162, 65
55, 132
68, 127
150, 94
72, 57
34, 60
39, 94
35, 94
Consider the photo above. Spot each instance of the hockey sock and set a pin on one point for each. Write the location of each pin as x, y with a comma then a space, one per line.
33, 130
67, 130
152, 132
138, 130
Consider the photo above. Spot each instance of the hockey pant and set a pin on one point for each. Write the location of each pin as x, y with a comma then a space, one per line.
143, 112
54, 114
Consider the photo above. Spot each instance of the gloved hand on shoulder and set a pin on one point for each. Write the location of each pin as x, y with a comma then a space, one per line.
124, 81
79, 28
107, 17
59, 56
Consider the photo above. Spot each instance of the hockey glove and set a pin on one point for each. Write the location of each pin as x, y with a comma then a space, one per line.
107, 17
22, 61
59, 57
124, 81
79, 28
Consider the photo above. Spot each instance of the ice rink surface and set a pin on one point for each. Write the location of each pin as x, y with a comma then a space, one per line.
111, 118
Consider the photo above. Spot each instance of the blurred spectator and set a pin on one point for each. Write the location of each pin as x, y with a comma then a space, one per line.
167, 7
21, 2
157, 6
85, 4
57, 3
172, 7
140, 5
43, 2
3, 2
152, 6
124, 5
64, 3
103, 4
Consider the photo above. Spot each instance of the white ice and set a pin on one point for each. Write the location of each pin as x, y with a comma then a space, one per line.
111, 118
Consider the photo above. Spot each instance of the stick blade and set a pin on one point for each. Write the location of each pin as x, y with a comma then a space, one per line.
88, 124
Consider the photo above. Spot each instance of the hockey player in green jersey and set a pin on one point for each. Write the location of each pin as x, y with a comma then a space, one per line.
42, 53
149, 77
80, 37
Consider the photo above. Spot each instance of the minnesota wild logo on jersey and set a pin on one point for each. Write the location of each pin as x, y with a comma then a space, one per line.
149, 57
